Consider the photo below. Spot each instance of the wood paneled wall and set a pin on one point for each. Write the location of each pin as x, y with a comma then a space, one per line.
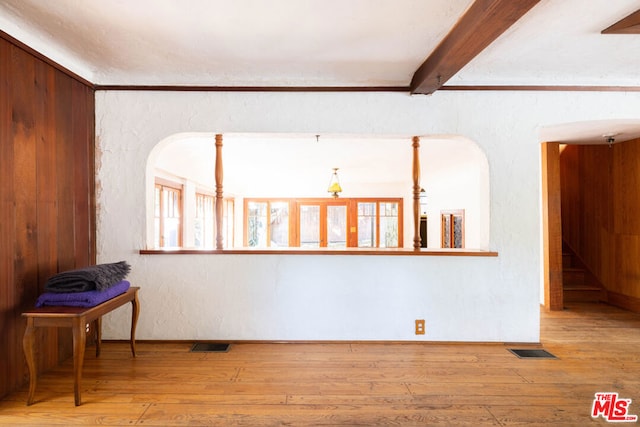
552, 226
47, 203
601, 214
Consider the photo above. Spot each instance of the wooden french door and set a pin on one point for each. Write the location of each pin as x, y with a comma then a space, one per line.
323, 224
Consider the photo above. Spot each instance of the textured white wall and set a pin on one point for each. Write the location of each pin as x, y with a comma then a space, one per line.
305, 297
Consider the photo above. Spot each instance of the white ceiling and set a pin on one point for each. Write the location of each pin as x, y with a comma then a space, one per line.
558, 42
317, 42
592, 132
235, 42
353, 43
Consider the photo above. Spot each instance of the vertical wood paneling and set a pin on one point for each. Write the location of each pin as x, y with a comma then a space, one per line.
83, 168
570, 195
46, 178
65, 172
626, 201
600, 220
597, 202
89, 108
23, 135
627, 185
552, 229
46, 197
7, 217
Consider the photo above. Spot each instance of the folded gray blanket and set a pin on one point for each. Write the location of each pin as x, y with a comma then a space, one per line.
96, 277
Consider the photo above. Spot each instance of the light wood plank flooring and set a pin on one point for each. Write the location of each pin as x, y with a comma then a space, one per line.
598, 349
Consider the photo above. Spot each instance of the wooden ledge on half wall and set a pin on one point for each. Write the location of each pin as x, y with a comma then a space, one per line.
325, 251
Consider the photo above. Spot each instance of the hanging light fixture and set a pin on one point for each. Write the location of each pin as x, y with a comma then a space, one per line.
334, 184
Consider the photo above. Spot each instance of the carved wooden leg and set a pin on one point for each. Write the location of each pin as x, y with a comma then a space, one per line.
79, 343
98, 326
28, 342
135, 311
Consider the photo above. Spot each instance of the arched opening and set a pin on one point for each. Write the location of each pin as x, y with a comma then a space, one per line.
374, 171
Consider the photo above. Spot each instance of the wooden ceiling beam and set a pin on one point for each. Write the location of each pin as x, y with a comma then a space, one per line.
627, 25
482, 23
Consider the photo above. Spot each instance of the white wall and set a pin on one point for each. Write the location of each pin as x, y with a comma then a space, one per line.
303, 297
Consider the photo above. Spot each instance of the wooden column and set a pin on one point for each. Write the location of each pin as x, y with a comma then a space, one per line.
219, 200
416, 193
552, 226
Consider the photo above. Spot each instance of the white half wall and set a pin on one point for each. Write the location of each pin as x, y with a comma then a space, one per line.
341, 297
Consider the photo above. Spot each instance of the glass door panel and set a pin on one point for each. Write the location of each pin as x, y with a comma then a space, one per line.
366, 225
389, 225
337, 226
446, 231
279, 224
457, 231
309, 226
257, 224
452, 229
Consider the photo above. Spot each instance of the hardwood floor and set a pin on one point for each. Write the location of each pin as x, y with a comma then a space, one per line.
598, 350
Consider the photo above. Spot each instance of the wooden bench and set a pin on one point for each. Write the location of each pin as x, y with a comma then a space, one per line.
78, 319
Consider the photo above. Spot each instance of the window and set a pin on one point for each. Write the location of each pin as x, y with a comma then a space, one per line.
204, 224
309, 226
185, 217
367, 225
323, 223
452, 229
379, 224
228, 212
167, 213
336, 225
267, 223
319, 223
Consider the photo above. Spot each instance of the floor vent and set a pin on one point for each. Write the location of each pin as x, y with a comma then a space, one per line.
532, 354
207, 347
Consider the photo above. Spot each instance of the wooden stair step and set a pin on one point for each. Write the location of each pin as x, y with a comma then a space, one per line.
582, 294
578, 284
573, 276
567, 260
581, 287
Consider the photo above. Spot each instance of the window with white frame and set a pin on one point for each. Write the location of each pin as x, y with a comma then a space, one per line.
168, 214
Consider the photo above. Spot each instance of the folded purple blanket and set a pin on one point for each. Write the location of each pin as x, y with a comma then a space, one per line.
82, 299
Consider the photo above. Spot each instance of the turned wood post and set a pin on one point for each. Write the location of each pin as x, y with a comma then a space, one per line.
416, 193
219, 201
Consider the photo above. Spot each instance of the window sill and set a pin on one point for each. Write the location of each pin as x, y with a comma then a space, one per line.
325, 251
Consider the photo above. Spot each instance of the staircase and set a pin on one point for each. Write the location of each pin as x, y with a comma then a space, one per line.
578, 283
